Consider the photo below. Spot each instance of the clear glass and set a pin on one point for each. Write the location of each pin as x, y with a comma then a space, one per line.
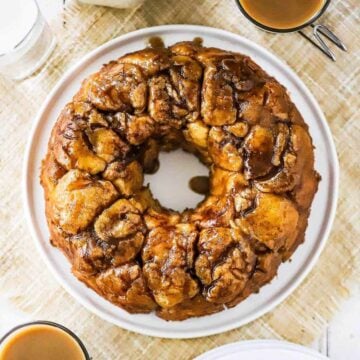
26, 40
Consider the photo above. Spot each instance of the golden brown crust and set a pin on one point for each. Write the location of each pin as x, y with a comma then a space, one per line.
121, 242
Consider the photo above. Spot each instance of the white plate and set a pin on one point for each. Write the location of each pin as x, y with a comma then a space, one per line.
260, 350
290, 273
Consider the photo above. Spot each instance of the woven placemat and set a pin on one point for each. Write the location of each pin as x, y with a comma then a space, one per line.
26, 286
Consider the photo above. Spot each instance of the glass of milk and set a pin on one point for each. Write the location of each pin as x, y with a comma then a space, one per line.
25, 38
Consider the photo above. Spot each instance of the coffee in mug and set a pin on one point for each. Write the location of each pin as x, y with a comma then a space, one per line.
42, 341
282, 14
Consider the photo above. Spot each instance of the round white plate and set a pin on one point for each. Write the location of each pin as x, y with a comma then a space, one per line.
290, 273
260, 350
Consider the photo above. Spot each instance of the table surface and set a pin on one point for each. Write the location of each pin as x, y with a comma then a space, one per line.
340, 340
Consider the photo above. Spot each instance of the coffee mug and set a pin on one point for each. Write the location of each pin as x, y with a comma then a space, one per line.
318, 30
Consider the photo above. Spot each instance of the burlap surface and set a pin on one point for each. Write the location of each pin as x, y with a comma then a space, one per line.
27, 287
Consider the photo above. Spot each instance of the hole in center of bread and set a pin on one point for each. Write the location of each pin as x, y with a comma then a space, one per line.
170, 184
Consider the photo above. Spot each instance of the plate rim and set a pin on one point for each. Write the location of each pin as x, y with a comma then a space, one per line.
268, 344
279, 298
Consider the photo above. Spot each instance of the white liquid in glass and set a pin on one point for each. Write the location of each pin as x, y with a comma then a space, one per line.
17, 17
25, 38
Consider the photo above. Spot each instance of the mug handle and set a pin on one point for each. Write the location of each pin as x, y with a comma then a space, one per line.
322, 30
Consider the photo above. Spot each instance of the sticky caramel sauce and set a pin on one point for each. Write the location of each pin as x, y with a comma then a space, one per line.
156, 42
40, 342
198, 41
200, 184
282, 14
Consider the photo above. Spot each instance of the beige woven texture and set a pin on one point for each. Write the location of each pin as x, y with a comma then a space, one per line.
27, 284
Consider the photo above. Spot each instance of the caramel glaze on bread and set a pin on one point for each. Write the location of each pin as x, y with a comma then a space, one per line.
237, 120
